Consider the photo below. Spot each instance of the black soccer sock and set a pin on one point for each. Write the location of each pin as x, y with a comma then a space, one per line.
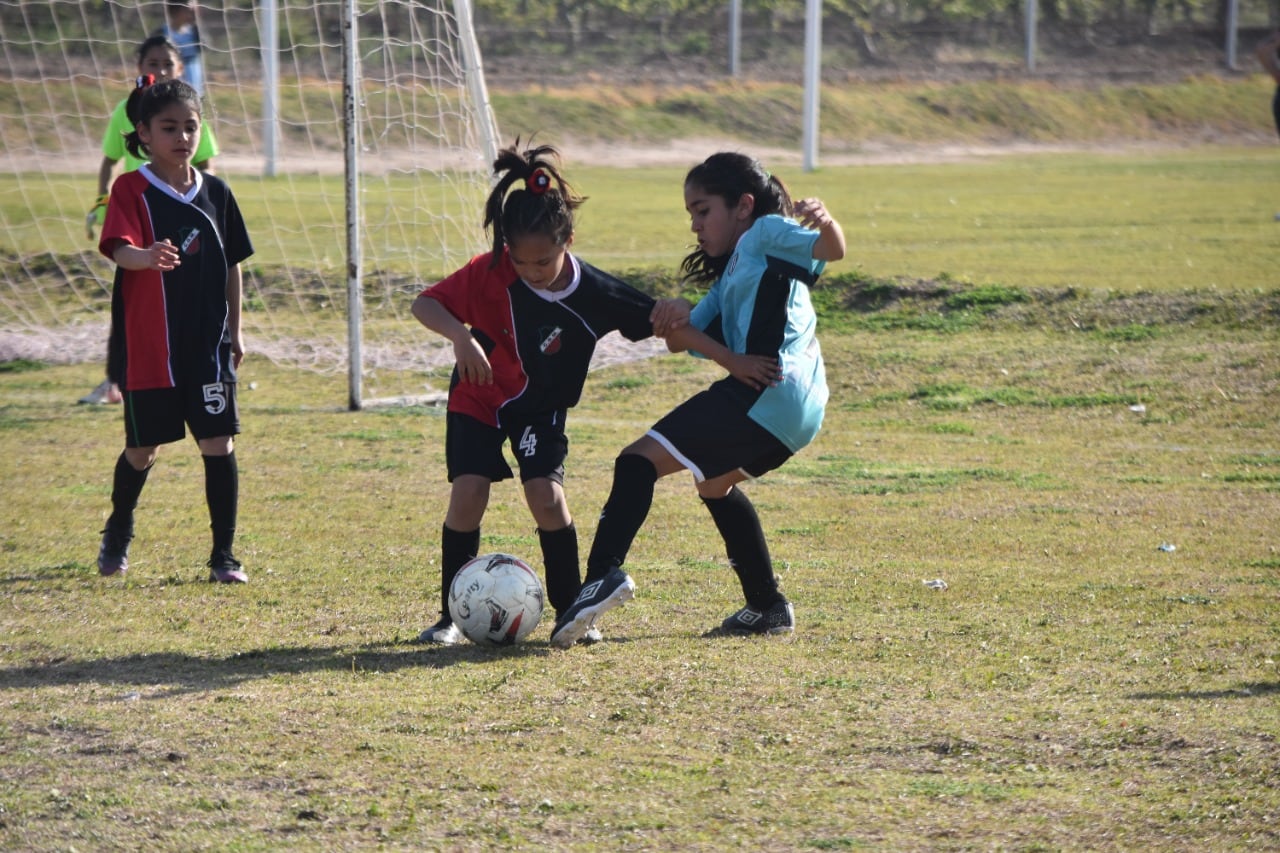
739, 526
126, 487
560, 561
456, 548
222, 492
623, 515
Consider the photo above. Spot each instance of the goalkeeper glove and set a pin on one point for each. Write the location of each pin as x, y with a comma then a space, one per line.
96, 214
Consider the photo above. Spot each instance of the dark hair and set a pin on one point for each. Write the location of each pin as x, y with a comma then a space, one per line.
148, 100
731, 176
544, 204
153, 42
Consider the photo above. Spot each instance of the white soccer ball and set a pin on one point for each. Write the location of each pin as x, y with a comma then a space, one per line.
496, 600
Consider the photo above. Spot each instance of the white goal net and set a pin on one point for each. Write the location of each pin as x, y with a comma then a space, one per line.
423, 140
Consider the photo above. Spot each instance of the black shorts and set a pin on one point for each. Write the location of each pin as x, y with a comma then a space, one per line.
160, 415
538, 442
711, 434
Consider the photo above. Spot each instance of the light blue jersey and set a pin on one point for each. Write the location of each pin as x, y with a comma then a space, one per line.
761, 306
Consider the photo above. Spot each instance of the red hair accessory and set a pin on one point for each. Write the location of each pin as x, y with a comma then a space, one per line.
144, 81
538, 182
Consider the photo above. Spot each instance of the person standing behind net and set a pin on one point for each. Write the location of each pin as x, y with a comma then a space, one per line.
157, 60
524, 320
181, 30
760, 263
177, 238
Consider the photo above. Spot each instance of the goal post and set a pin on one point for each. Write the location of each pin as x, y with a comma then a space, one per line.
420, 159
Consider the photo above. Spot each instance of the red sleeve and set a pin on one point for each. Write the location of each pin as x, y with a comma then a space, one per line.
451, 291
126, 219
478, 296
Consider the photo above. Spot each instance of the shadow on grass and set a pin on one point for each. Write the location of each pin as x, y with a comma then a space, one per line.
185, 673
1244, 691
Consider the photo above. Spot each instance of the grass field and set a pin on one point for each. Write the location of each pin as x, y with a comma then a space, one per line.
1055, 382
1075, 687
1131, 219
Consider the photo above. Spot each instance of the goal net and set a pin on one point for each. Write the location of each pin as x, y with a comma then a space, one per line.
273, 93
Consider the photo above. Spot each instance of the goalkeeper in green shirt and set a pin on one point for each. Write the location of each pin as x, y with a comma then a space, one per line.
158, 60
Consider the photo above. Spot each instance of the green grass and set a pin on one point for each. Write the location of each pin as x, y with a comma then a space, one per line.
1074, 688
1043, 368
1163, 220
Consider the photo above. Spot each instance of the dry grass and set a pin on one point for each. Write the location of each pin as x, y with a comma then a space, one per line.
1074, 688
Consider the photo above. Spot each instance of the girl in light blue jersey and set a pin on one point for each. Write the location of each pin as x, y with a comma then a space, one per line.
759, 253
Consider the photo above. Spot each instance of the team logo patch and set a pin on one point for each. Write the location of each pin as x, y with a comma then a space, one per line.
550, 340
190, 244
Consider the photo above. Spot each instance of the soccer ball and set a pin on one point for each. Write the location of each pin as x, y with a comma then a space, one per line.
496, 600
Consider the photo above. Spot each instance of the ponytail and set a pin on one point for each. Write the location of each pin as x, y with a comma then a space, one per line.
543, 203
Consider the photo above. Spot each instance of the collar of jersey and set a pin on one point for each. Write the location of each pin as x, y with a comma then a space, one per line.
556, 296
156, 182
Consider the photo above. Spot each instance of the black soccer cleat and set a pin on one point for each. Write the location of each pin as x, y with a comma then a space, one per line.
595, 599
778, 619
113, 553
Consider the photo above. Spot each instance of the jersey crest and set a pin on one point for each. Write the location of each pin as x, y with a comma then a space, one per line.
190, 244
549, 340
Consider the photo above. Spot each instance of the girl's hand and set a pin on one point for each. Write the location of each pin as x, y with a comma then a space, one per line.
669, 314
163, 256
757, 371
811, 213
237, 350
473, 365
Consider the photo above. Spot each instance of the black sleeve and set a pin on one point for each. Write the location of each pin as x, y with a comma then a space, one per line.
235, 236
623, 308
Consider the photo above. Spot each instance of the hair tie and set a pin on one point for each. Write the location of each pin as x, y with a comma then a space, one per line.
538, 181
144, 81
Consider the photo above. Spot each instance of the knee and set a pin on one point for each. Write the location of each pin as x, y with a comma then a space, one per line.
468, 500
220, 446
546, 501
141, 458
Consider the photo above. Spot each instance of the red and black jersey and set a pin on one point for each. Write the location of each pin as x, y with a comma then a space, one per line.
539, 343
170, 328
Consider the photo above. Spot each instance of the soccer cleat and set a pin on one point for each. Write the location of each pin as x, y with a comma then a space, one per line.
595, 599
443, 633
113, 554
592, 637
778, 619
224, 568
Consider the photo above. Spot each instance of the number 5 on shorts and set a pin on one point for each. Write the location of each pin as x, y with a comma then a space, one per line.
215, 398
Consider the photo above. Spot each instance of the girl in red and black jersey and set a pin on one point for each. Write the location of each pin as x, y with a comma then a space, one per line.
524, 320
177, 239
